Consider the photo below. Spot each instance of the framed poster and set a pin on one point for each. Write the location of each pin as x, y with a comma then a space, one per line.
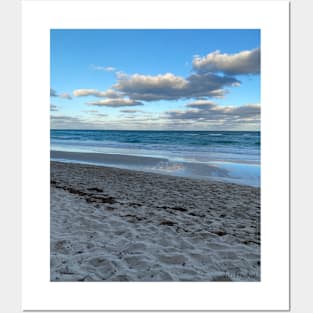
158, 170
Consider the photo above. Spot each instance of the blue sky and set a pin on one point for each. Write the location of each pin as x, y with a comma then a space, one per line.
155, 79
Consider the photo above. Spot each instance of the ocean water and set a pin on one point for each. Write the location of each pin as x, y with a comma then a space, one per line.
220, 155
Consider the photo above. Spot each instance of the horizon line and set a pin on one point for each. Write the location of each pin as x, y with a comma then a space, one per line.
158, 130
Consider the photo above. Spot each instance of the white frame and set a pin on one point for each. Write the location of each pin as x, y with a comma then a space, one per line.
272, 293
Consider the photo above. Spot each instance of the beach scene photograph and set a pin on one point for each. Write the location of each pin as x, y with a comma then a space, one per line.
155, 155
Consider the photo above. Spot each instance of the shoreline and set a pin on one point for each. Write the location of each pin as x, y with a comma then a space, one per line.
228, 172
110, 224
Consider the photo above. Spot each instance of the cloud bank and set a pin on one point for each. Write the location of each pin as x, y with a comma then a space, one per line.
212, 75
211, 112
171, 87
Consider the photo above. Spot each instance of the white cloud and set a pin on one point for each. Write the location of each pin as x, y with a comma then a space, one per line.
131, 111
101, 115
139, 82
115, 103
91, 111
110, 93
104, 68
110, 69
244, 62
65, 96
201, 104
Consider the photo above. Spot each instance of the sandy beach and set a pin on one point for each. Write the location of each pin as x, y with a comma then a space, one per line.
110, 224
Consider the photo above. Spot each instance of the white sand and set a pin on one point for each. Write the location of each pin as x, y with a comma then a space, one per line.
110, 224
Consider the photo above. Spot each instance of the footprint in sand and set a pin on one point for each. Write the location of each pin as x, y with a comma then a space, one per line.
173, 259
